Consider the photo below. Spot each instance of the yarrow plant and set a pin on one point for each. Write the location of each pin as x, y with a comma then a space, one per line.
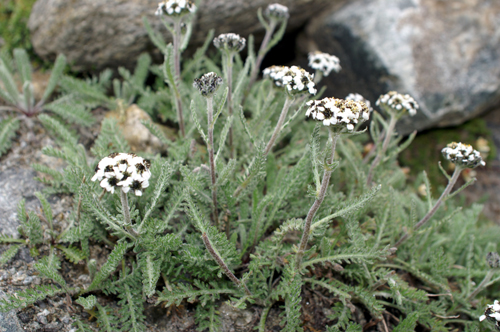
289, 219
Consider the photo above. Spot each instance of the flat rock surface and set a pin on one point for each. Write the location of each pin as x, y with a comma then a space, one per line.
443, 53
95, 34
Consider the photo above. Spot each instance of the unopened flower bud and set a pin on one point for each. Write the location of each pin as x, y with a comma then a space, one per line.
175, 7
229, 42
493, 260
277, 12
208, 84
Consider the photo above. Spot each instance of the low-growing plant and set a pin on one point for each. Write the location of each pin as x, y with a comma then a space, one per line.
258, 220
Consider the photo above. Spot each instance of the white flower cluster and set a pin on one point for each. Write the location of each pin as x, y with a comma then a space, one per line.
358, 97
175, 7
295, 79
338, 112
398, 102
277, 11
124, 170
230, 41
208, 84
324, 62
463, 155
492, 313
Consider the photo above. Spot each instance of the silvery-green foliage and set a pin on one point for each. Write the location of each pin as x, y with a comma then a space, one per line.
172, 252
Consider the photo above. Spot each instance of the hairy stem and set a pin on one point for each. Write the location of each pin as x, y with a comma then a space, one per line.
281, 120
261, 54
126, 214
210, 147
378, 158
317, 203
229, 79
434, 209
263, 317
177, 68
223, 265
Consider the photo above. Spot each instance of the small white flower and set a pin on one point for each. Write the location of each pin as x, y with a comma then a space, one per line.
464, 155
123, 170
482, 317
358, 97
343, 114
324, 62
294, 79
398, 102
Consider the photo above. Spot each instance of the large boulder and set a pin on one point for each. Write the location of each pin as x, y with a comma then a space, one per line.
95, 34
446, 54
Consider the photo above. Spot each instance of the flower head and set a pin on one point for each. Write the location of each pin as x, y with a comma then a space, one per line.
277, 12
230, 42
358, 97
398, 102
123, 170
463, 155
208, 84
175, 7
492, 313
338, 112
324, 62
294, 79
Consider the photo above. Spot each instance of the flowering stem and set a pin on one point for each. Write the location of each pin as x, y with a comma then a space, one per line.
387, 139
177, 68
281, 120
229, 79
210, 147
318, 76
261, 54
333, 136
126, 214
432, 211
223, 265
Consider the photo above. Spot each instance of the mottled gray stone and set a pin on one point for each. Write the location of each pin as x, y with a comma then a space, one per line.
443, 53
16, 184
95, 34
8, 320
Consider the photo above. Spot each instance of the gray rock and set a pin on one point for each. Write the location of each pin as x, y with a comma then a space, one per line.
95, 34
16, 184
443, 53
8, 320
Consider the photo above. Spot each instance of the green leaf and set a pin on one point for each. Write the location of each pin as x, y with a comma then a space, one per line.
23, 64
73, 113
14, 97
29, 296
88, 303
47, 210
408, 324
47, 266
150, 268
114, 259
8, 254
73, 254
58, 129
55, 76
8, 128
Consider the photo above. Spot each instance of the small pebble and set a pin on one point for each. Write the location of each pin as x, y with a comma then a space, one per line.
28, 280
66, 320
